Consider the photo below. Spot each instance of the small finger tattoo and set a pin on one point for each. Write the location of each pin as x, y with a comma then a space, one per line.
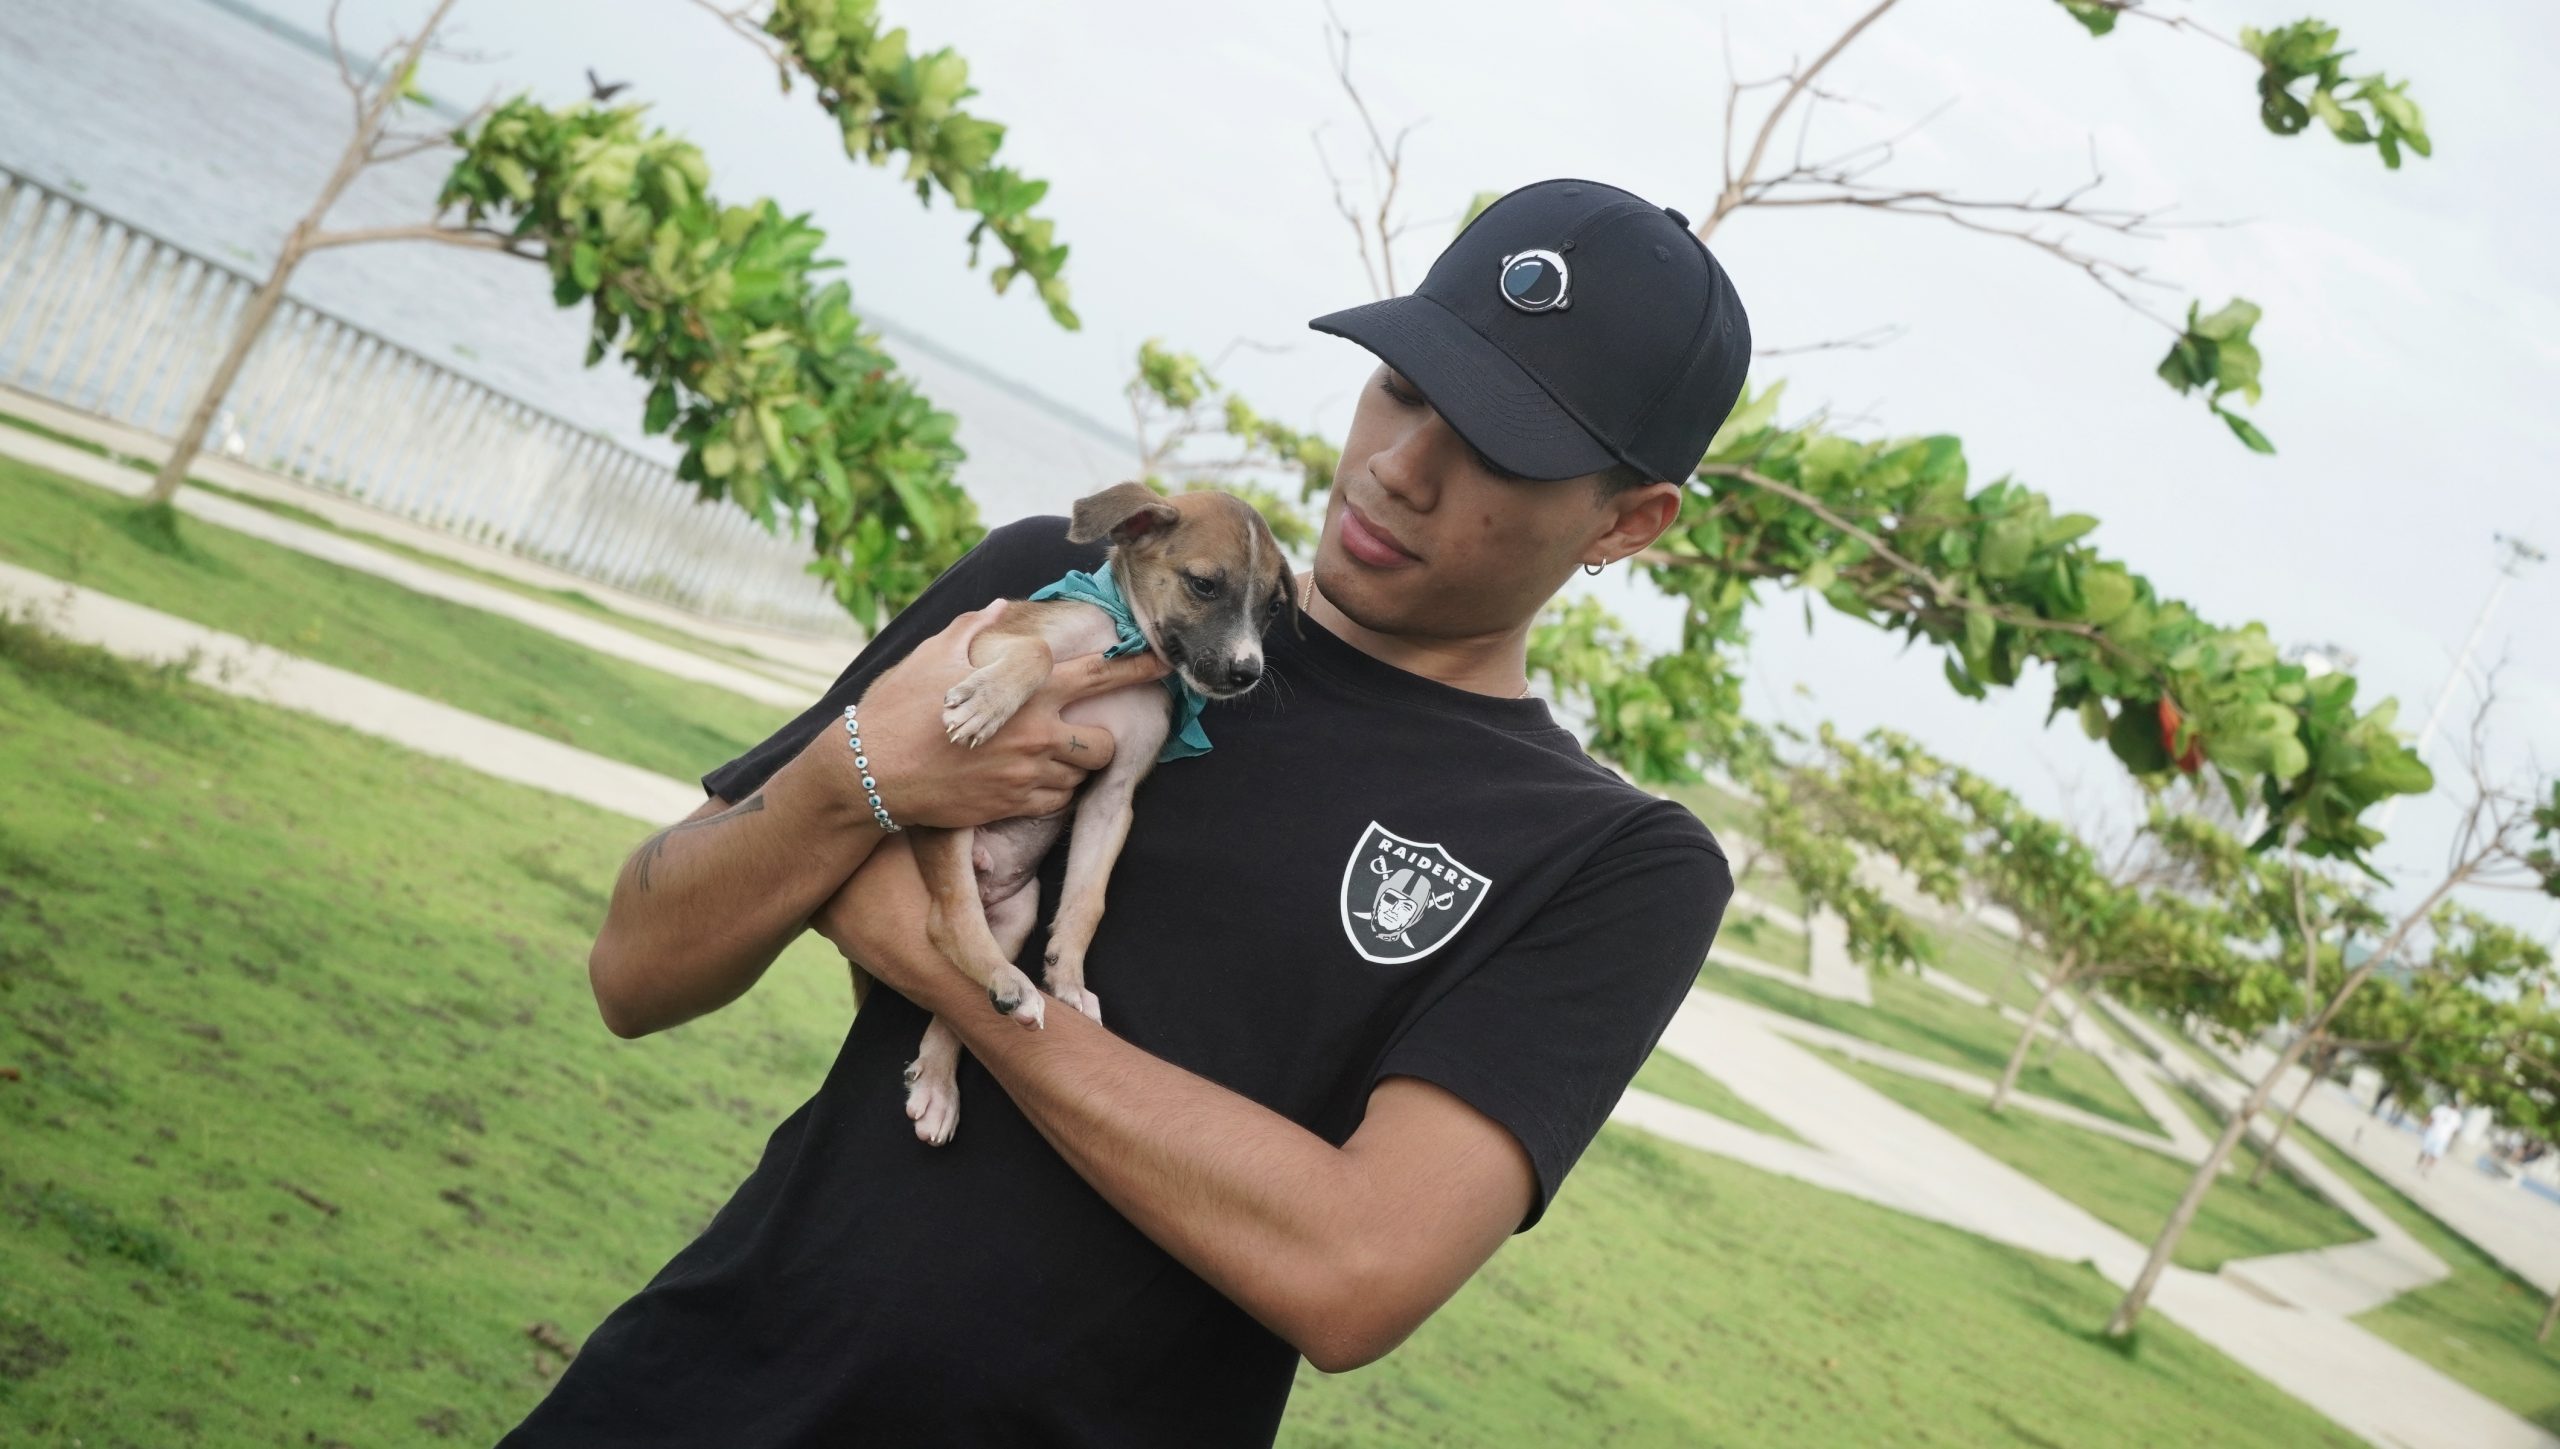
1075, 744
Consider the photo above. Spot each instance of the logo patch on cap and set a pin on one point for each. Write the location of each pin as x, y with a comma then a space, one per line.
1536, 281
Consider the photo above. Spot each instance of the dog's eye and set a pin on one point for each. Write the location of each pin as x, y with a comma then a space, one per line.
1201, 588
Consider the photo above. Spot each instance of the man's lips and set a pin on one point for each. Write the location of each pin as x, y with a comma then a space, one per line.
1371, 544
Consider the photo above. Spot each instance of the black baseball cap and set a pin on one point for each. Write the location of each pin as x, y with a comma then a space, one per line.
1571, 327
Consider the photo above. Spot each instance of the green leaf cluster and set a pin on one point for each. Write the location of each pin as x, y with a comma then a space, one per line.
2358, 110
892, 103
2097, 16
2377, 111
1892, 532
2215, 353
756, 365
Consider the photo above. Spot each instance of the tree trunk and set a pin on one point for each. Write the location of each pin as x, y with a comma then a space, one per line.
2027, 1038
2550, 1314
253, 320
2063, 1033
2258, 1174
371, 111
2129, 1312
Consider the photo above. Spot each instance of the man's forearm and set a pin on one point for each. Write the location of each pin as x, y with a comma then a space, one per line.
1333, 1249
1255, 1204
703, 907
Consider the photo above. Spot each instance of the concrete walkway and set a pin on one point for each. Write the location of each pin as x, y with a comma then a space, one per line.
2518, 1228
234, 665
1863, 1143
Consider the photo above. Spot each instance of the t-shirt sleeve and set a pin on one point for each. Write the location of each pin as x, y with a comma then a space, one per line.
1009, 562
1546, 1034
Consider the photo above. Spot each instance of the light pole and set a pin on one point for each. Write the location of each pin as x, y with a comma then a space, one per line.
2514, 556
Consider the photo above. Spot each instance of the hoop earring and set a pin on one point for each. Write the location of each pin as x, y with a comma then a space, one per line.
1594, 569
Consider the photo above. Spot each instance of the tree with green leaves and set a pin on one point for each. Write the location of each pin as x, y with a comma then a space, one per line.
2505, 839
755, 361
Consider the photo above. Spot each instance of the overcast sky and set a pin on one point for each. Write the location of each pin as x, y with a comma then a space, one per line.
2412, 338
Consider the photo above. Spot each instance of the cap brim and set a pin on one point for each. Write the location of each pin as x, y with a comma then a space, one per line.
1486, 397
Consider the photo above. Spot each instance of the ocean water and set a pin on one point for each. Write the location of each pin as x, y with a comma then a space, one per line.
186, 119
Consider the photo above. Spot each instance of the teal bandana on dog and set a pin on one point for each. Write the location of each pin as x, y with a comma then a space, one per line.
1102, 590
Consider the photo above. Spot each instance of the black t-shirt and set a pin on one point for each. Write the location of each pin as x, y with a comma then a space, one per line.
1370, 875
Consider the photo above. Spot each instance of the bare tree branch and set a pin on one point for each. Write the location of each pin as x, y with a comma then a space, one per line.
1731, 196
1866, 341
1385, 161
477, 237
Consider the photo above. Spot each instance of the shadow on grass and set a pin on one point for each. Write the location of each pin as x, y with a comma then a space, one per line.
2127, 1347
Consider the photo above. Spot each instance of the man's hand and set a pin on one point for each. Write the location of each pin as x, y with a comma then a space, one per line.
702, 907
1032, 766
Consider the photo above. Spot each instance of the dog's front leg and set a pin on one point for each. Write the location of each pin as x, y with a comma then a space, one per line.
1093, 847
1012, 663
957, 925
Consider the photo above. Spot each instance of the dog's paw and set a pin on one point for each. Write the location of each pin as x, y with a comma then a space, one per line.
1066, 982
972, 712
1015, 996
1084, 999
933, 1103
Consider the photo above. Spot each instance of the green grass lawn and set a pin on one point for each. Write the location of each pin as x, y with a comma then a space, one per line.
309, 1117
1720, 808
2476, 1325
2126, 1187
1666, 1075
507, 671
2199, 1111
1675, 1299
1989, 964
1770, 882
1912, 1016
1765, 941
251, 964
2116, 1031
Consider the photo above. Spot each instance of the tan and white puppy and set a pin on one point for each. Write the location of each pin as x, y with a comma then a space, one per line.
1204, 578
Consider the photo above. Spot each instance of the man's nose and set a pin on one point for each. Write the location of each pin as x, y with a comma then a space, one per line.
1411, 469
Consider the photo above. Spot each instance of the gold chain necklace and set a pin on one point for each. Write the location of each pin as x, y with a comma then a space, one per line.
1307, 593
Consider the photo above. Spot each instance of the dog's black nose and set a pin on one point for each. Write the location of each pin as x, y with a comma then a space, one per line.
1244, 672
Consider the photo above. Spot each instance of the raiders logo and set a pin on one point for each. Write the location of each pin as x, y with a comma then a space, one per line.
1403, 900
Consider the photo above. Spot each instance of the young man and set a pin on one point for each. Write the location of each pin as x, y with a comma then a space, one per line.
1379, 964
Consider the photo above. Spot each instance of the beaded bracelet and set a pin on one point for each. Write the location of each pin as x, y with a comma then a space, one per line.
862, 762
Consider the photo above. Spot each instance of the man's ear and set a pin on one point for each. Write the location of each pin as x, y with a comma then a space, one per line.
1644, 513
1123, 512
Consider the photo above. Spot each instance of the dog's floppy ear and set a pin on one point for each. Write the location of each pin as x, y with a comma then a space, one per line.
1122, 513
1289, 596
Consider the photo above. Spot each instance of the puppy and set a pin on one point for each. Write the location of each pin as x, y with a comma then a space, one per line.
1203, 578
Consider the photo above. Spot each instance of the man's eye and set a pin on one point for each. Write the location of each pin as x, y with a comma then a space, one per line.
1201, 588
1388, 386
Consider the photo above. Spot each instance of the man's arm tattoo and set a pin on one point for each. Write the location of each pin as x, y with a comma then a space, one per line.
651, 848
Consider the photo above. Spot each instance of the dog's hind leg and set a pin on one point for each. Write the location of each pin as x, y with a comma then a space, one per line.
933, 1085
1093, 847
957, 924
933, 1078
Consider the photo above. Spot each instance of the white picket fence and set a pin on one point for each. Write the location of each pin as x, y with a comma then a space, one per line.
105, 317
